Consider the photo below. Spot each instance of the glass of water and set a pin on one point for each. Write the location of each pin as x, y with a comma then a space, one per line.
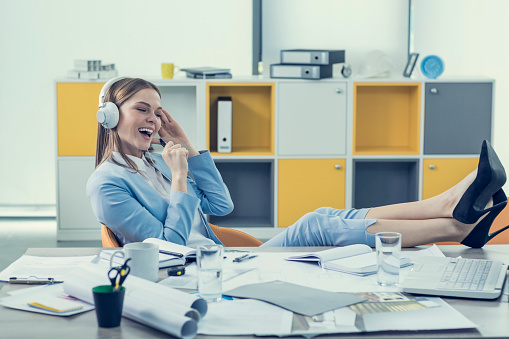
209, 259
388, 254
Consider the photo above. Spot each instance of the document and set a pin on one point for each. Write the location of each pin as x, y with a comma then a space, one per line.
51, 296
299, 299
28, 266
246, 317
354, 259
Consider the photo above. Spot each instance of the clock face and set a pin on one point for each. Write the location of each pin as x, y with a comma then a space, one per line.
432, 66
346, 71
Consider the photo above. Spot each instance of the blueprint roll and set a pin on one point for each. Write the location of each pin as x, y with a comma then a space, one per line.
161, 307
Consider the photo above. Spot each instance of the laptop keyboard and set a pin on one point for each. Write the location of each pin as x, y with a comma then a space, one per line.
466, 274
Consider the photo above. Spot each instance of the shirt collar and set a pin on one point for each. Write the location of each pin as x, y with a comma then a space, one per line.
141, 163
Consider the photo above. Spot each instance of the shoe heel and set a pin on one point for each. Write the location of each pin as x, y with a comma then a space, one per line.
480, 235
490, 178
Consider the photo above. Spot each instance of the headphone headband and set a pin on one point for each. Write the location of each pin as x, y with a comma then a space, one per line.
105, 88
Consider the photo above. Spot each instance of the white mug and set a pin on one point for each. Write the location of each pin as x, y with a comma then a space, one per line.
144, 261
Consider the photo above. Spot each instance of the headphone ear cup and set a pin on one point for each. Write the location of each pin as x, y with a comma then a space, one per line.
108, 115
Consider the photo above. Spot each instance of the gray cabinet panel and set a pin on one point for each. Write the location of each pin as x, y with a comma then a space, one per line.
251, 186
457, 117
384, 182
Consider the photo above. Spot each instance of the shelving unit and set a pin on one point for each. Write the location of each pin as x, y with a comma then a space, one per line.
297, 144
386, 118
253, 119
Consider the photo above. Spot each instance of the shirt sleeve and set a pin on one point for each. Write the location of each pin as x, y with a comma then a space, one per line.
209, 186
137, 216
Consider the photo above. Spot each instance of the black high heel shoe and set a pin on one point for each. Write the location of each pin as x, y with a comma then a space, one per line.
490, 178
480, 234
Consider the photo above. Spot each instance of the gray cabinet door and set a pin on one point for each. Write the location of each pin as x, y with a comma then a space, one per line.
457, 117
312, 118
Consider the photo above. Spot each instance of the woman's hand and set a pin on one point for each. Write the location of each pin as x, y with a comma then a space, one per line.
171, 131
175, 156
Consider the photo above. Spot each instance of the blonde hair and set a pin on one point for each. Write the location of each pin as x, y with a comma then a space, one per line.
108, 139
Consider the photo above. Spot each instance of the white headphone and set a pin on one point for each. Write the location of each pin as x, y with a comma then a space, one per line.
108, 115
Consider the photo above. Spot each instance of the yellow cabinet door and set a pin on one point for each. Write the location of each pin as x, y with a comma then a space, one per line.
77, 105
307, 184
441, 174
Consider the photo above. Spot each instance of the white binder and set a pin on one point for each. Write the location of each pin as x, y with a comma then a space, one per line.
224, 124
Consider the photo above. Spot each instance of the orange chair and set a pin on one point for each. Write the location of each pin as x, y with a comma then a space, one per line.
108, 238
229, 237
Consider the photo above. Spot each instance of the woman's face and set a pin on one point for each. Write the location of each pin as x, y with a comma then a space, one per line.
140, 119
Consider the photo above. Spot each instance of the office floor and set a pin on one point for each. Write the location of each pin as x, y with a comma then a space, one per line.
17, 234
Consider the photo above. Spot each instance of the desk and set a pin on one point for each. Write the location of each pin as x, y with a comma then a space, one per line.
491, 316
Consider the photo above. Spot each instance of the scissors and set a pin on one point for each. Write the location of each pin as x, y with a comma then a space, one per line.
119, 275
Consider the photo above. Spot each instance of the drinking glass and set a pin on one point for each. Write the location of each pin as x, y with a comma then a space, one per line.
388, 254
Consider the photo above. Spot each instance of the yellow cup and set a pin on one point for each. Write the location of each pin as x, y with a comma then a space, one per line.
169, 70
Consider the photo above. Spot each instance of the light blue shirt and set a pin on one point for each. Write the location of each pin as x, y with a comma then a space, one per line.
134, 210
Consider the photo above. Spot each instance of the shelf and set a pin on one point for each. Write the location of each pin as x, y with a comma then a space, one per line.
384, 182
386, 118
252, 118
251, 186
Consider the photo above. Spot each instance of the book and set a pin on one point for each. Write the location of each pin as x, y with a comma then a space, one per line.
170, 254
353, 259
180, 255
209, 76
206, 70
57, 304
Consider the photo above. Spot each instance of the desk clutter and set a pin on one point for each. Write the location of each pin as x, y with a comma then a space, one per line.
272, 293
92, 70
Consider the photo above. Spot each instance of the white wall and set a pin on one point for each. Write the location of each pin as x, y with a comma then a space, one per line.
471, 36
357, 26
40, 39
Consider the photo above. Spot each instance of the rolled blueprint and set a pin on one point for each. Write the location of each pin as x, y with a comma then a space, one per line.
161, 307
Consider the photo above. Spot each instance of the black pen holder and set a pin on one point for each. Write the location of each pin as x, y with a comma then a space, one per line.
108, 305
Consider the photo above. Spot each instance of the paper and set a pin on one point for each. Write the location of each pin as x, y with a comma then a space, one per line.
245, 317
441, 317
43, 267
20, 300
296, 298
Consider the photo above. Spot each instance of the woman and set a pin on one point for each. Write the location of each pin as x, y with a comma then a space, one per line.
139, 194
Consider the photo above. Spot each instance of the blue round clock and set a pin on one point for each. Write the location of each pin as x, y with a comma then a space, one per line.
432, 66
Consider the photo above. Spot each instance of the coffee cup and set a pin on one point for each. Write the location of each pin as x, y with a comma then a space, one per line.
169, 70
144, 259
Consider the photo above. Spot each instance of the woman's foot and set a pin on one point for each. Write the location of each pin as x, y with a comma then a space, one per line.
453, 195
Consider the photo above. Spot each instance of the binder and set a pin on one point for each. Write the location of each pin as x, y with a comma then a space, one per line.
312, 56
313, 72
224, 124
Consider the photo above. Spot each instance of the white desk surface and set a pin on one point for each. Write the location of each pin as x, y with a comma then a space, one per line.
491, 316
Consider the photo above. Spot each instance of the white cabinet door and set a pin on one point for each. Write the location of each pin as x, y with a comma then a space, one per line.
74, 209
312, 118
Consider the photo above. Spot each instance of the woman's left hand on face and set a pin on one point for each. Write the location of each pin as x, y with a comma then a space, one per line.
171, 130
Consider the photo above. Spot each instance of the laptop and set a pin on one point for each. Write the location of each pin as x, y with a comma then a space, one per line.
456, 277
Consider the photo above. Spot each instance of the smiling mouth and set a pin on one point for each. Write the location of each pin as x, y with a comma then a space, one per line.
146, 131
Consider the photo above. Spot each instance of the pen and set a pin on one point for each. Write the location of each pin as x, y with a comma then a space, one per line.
180, 255
244, 258
239, 259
